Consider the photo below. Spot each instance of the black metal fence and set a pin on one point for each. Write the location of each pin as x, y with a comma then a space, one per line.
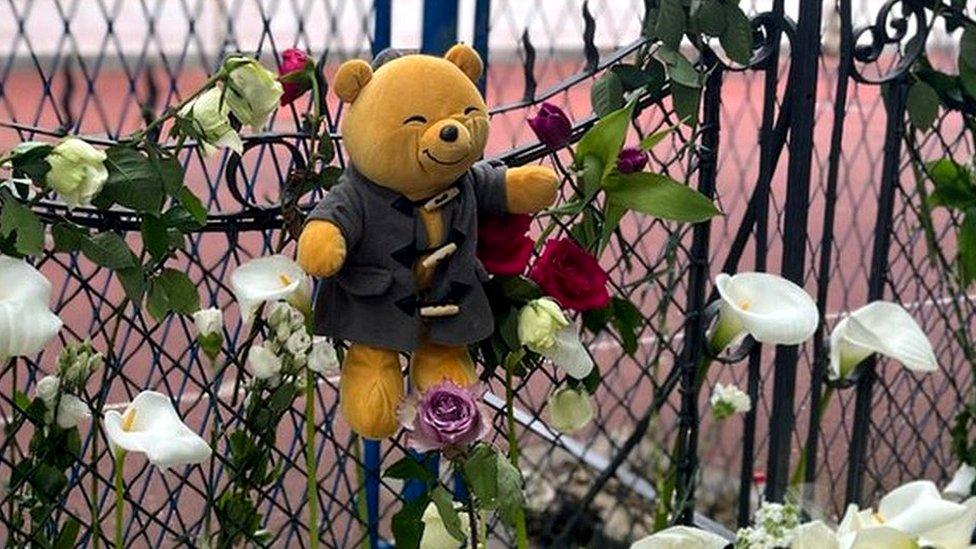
801, 150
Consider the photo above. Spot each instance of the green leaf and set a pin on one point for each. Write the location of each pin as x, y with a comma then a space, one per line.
481, 472
967, 77
613, 212
736, 38
632, 77
520, 289
953, 185
181, 219
408, 467
627, 319
710, 18
69, 533
604, 140
407, 524
680, 69
922, 105
686, 100
108, 250
172, 291
445, 508
193, 205
595, 320
68, 237
660, 196
591, 176
134, 181
154, 236
671, 22
18, 218
133, 283
510, 496
30, 159
48, 482
967, 248
650, 141
967, 47
607, 94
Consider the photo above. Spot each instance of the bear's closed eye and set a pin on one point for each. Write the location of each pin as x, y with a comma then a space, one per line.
415, 118
470, 110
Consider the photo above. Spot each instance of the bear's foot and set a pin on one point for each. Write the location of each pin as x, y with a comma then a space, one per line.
432, 364
370, 390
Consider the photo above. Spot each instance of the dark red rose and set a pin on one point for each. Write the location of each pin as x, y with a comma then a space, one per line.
571, 275
631, 160
503, 246
551, 126
295, 73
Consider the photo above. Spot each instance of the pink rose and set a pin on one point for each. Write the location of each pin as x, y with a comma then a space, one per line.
295, 73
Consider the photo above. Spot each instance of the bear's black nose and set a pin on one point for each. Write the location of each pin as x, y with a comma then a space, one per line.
449, 133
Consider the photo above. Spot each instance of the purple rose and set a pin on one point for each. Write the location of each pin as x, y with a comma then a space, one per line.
631, 160
551, 126
444, 417
296, 66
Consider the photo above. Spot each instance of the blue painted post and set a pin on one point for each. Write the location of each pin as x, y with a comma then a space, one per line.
382, 16
482, 30
371, 462
440, 26
413, 489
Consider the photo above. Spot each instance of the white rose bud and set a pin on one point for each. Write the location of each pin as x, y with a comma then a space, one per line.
262, 363
47, 389
298, 343
539, 321
570, 409
209, 321
253, 91
435, 534
209, 114
728, 400
322, 358
72, 411
77, 171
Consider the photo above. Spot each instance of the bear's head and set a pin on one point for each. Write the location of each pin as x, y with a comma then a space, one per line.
417, 122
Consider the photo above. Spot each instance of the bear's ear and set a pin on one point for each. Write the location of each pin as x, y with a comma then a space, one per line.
350, 79
467, 60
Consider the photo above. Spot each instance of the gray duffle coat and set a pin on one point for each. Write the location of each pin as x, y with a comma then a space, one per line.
374, 299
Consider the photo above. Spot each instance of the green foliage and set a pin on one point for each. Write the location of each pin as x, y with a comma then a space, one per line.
922, 105
17, 219
954, 188
660, 196
607, 94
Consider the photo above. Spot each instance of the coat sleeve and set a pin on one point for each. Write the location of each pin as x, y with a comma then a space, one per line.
488, 180
342, 207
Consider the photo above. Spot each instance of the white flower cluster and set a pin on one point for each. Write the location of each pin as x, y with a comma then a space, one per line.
75, 365
289, 347
775, 526
728, 400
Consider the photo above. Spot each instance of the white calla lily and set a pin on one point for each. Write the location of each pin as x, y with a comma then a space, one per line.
151, 426
768, 307
814, 535
26, 321
681, 537
270, 279
880, 327
961, 485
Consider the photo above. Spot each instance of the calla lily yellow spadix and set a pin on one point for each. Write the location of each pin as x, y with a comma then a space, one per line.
879, 327
767, 307
269, 279
26, 322
151, 426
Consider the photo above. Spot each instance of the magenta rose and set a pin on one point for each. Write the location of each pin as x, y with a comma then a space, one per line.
503, 246
295, 73
551, 126
631, 160
569, 274
444, 417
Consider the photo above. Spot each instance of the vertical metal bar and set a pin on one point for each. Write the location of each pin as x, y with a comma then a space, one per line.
820, 355
371, 463
440, 26
767, 167
803, 72
698, 277
894, 134
482, 31
382, 16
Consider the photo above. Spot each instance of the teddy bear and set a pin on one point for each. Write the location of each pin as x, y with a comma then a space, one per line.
394, 240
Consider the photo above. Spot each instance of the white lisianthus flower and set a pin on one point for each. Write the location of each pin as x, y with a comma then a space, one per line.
961, 485
728, 400
323, 358
298, 343
880, 327
47, 388
435, 534
26, 322
208, 112
209, 321
570, 409
681, 537
71, 411
270, 279
150, 425
262, 363
253, 91
77, 172
770, 308
538, 322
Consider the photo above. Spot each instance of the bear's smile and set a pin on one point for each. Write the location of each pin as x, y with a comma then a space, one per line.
441, 162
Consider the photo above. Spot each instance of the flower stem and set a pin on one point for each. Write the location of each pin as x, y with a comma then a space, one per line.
311, 465
473, 521
171, 111
796, 479
119, 498
521, 532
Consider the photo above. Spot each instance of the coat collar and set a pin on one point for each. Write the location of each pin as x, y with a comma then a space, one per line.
400, 202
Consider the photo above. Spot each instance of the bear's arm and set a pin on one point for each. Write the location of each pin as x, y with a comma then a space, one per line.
525, 189
333, 227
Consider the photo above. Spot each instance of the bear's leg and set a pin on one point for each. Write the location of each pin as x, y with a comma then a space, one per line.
370, 390
432, 364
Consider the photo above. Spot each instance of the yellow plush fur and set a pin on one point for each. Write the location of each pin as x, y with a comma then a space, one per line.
400, 109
